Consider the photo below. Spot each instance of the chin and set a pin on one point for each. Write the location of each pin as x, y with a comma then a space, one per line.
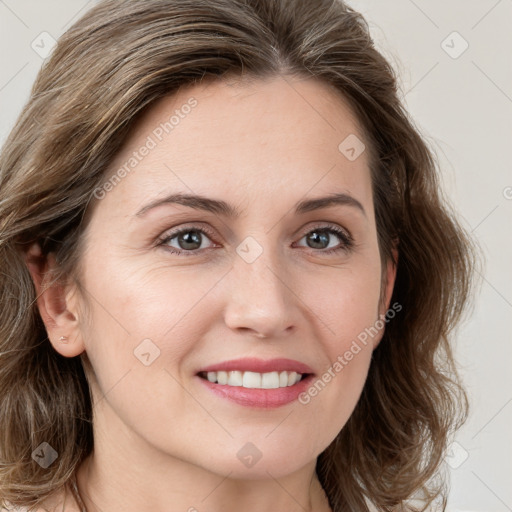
263, 458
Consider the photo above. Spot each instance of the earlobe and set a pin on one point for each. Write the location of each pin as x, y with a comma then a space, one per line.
61, 323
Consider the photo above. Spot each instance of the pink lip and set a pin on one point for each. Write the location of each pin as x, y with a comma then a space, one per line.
251, 364
259, 398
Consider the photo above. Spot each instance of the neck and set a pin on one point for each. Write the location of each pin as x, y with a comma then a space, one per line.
194, 490
125, 472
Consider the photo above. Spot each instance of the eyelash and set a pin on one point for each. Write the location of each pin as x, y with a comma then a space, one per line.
346, 238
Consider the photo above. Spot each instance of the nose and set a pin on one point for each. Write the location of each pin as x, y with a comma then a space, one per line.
261, 300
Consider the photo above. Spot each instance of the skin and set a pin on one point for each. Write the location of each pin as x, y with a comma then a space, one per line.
162, 440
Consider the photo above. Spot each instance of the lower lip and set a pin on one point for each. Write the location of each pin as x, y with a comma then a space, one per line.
260, 398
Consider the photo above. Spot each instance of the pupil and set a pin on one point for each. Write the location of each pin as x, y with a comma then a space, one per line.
319, 237
190, 237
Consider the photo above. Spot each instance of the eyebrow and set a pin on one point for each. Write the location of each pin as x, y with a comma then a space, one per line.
220, 207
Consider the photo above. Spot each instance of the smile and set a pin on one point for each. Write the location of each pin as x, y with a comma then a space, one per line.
253, 380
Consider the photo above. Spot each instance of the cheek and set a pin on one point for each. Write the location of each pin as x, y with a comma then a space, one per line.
143, 326
345, 301
145, 321
347, 313
147, 302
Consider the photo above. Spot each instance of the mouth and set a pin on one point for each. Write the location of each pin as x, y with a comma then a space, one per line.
254, 380
257, 383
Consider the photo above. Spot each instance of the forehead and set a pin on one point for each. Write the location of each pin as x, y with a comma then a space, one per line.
274, 137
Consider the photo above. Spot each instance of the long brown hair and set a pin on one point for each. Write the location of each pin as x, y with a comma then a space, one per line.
111, 65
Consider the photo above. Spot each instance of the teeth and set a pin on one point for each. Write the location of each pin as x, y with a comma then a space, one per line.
270, 380
251, 380
291, 378
235, 378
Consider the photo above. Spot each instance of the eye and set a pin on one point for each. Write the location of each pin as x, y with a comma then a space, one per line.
320, 237
189, 240
186, 240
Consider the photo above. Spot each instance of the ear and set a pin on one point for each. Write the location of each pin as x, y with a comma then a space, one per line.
54, 300
388, 284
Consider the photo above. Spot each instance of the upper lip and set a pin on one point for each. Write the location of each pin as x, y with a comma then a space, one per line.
252, 364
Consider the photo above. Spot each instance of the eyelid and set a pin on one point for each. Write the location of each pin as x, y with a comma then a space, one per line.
348, 242
327, 225
192, 226
343, 233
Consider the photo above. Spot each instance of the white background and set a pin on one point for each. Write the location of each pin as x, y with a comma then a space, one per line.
463, 106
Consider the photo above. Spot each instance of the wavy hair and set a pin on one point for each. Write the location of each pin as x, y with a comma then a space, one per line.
108, 68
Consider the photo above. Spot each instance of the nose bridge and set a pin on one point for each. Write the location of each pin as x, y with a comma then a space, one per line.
259, 298
258, 268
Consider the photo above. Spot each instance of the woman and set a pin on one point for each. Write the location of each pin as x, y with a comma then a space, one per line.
228, 277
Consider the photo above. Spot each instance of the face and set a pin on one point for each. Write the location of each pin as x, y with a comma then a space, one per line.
203, 313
